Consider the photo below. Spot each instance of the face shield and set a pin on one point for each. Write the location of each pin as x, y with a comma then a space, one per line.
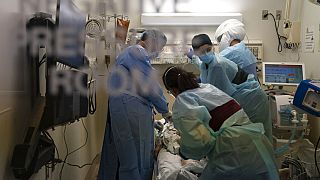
205, 53
154, 49
154, 42
228, 31
224, 42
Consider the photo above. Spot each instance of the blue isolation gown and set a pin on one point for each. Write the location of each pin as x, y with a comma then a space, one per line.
249, 95
238, 150
242, 56
128, 145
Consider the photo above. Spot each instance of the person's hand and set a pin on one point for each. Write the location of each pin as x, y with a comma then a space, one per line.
167, 116
185, 162
158, 125
190, 53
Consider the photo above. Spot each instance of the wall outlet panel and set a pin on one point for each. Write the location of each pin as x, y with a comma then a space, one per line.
264, 14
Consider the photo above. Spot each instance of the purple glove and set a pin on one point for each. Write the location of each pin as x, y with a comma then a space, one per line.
190, 54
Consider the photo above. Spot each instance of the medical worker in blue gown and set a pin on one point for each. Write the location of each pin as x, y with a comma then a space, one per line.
230, 35
213, 125
216, 71
128, 145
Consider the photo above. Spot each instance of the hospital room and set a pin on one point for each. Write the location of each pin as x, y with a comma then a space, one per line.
160, 89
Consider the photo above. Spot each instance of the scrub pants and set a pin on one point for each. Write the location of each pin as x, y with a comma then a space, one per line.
128, 146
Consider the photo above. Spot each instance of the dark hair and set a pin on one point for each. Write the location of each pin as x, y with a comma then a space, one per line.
175, 77
200, 40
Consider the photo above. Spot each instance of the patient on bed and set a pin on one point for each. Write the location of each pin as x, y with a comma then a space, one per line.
171, 166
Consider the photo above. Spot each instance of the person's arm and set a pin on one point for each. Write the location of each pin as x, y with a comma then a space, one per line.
196, 139
158, 99
146, 82
229, 67
219, 78
235, 74
191, 120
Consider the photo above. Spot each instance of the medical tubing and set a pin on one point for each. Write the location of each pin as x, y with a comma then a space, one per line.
298, 166
285, 147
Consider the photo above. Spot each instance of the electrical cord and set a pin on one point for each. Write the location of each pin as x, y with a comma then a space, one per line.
85, 143
92, 95
52, 162
75, 165
78, 166
47, 134
315, 155
57, 160
285, 45
67, 149
277, 31
69, 153
50, 137
92, 101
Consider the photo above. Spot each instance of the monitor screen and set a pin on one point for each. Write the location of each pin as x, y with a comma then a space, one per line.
70, 35
62, 106
283, 73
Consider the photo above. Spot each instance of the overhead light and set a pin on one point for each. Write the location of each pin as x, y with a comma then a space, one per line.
187, 19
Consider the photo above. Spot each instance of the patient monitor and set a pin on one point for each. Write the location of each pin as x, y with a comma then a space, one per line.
283, 73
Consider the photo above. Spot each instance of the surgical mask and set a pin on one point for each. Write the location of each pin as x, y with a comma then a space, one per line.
207, 58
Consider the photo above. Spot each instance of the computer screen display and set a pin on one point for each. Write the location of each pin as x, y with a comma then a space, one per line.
283, 73
64, 107
70, 41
